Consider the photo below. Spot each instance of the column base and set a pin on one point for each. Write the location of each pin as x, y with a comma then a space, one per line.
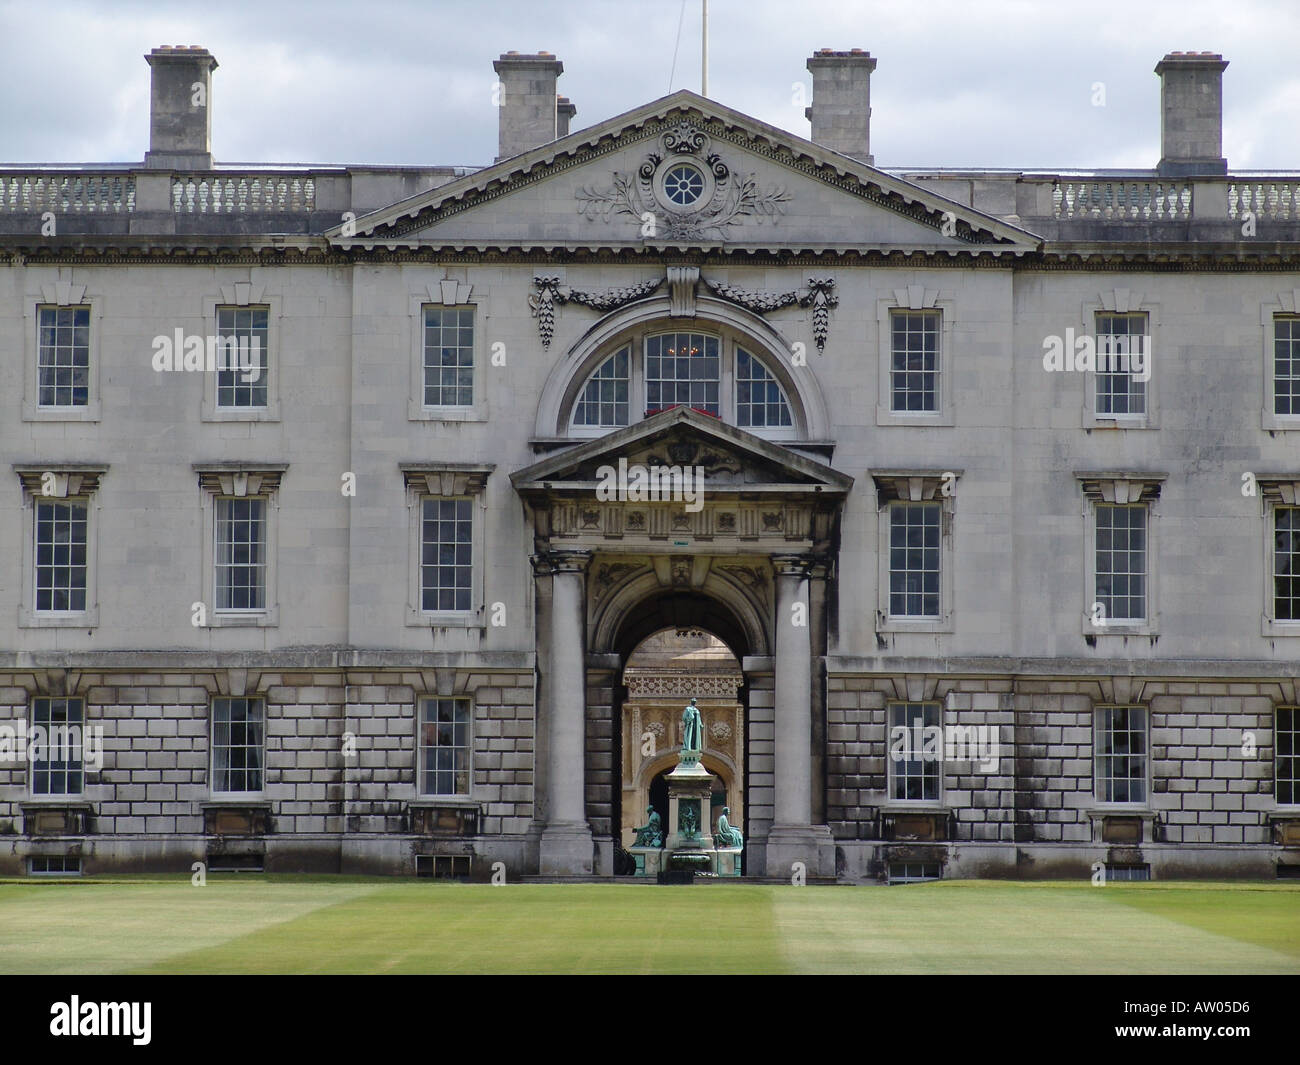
813, 845
566, 849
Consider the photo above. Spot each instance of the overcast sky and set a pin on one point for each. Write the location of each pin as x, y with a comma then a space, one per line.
964, 83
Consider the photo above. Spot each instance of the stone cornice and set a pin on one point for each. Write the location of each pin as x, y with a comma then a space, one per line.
1122, 487
1120, 257
912, 486
240, 479
70, 479
446, 478
1279, 488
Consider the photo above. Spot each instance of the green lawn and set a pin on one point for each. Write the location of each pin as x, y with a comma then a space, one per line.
259, 924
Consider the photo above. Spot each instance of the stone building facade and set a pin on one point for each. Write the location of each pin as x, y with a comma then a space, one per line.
361, 600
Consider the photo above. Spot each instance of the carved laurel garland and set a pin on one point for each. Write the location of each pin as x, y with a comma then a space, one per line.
820, 297
550, 292
759, 302
611, 298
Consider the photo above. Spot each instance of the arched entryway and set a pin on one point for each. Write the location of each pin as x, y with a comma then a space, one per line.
625, 700
665, 671
750, 563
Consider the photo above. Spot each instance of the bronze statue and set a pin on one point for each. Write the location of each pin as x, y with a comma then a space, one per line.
651, 834
692, 729
726, 836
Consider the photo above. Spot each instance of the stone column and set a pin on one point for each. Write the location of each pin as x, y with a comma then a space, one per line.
792, 837
566, 843
793, 797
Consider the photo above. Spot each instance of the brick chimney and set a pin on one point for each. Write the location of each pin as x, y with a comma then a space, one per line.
180, 107
1191, 114
565, 109
528, 102
841, 101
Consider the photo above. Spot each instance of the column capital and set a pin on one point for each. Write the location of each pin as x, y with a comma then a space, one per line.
570, 561
792, 565
547, 563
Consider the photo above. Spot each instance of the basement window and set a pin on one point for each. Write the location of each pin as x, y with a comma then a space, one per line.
1128, 872
442, 866
56, 865
914, 872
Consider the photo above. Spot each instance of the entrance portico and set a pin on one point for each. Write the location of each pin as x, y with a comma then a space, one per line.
757, 553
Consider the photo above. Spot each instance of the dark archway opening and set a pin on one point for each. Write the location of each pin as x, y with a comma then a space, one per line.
686, 612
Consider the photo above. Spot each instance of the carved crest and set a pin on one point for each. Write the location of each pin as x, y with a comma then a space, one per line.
612, 573
724, 199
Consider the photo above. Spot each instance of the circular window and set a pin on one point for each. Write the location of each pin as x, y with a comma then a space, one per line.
683, 185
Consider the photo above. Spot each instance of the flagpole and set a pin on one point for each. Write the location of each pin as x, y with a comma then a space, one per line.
704, 49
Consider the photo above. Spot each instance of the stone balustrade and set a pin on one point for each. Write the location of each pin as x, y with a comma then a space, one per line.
216, 193
69, 192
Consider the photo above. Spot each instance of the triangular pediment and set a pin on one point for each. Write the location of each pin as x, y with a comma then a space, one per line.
732, 460
683, 172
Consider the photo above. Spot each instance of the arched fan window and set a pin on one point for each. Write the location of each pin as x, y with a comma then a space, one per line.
760, 400
656, 370
604, 398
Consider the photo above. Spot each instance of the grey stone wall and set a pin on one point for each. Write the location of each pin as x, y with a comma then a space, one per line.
1203, 788
155, 780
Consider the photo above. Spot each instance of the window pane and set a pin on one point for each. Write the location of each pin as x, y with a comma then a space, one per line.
760, 401
444, 755
1122, 560
446, 554
603, 400
914, 560
1286, 365
56, 746
448, 356
914, 367
1286, 563
241, 357
1286, 741
683, 369
63, 356
1120, 753
1123, 358
241, 554
61, 552
237, 738
914, 759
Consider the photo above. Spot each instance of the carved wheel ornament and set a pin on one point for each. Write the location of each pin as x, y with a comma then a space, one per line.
684, 192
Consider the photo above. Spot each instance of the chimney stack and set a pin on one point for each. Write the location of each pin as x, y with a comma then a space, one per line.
1191, 115
841, 102
528, 102
180, 108
564, 112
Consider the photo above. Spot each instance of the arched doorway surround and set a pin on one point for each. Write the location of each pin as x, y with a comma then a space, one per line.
752, 563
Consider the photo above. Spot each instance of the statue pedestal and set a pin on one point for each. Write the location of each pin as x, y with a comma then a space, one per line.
690, 842
649, 860
727, 861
